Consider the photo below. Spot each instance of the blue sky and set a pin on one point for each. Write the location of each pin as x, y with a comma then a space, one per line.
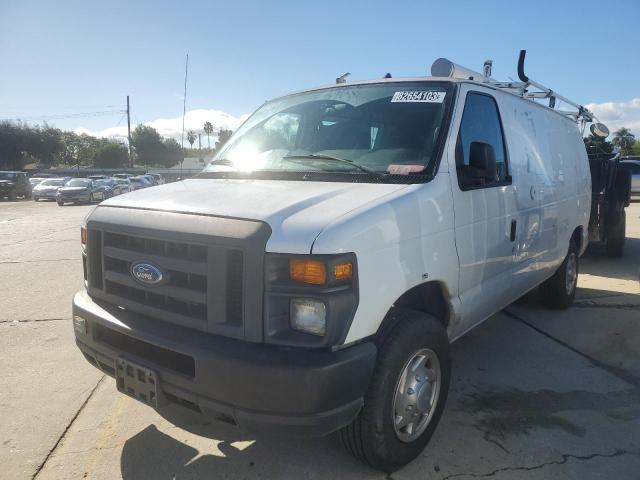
65, 57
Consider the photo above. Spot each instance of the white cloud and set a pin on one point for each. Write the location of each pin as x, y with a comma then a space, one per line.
618, 114
172, 127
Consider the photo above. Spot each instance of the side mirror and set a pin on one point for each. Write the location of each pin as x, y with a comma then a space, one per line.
482, 162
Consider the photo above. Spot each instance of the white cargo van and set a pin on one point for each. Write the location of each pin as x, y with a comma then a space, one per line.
313, 277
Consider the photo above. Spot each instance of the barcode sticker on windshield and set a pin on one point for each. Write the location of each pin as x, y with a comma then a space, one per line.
423, 96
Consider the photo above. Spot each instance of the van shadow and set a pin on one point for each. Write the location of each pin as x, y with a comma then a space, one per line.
225, 453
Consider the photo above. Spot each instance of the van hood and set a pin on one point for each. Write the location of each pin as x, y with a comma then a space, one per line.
296, 211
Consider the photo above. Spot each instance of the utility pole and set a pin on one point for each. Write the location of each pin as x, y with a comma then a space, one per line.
129, 132
199, 143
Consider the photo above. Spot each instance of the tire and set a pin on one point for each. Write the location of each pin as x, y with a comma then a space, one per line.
372, 437
27, 196
559, 291
615, 240
12, 196
35, 199
60, 203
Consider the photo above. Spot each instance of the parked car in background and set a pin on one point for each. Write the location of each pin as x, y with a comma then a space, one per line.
14, 185
141, 181
48, 188
633, 165
80, 190
158, 179
35, 181
112, 186
97, 177
125, 184
123, 175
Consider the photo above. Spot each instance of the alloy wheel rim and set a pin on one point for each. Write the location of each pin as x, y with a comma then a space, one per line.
416, 395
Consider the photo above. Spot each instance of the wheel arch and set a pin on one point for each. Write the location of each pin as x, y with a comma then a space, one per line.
430, 297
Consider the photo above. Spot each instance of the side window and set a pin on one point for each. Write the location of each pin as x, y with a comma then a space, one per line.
481, 159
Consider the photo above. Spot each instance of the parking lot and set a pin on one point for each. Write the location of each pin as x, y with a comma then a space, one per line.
536, 394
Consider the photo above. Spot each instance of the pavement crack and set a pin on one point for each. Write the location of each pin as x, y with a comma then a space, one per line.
615, 371
64, 433
564, 459
10, 262
486, 435
35, 320
612, 306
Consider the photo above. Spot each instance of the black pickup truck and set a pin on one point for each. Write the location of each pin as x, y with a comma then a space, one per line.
611, 193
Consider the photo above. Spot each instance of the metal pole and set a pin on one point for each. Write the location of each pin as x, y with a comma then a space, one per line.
129, 132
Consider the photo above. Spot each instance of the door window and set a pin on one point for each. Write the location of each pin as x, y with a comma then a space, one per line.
481, 159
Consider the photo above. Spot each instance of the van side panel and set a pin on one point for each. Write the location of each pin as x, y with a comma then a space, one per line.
400, 242
551, 172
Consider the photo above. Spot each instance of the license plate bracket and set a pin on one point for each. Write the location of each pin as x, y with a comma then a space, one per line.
137, 381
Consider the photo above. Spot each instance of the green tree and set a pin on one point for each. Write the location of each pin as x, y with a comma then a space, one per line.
223, 136
624, 140
596, 144
191, 137
111, 155
208, 129
172, 153
148, 145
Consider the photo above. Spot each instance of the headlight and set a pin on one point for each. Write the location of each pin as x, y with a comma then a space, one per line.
308, 316
310, 300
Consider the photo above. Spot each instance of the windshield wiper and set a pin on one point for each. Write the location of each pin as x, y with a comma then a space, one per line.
315, 156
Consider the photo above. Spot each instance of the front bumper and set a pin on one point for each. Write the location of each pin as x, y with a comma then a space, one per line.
45, 194
84, 197
258, 387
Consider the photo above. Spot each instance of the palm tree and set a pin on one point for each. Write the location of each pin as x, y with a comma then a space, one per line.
624, 140
191, 137
208, 129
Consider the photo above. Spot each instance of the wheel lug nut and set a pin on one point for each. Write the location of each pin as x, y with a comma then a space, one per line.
410, 391
409, 407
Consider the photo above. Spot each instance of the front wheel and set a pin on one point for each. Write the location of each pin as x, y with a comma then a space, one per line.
559, 291
406, 396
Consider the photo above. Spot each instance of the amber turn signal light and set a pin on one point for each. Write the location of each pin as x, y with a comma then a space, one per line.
83, 235
343, 271
307, 271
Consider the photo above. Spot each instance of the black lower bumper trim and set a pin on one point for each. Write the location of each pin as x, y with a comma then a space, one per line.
258, 387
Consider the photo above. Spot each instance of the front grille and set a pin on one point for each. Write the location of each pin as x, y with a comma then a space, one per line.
212, 268
184, 294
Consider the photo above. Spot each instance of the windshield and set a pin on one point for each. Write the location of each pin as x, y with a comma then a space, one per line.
52, 183
7, 176
376, 130
78, 183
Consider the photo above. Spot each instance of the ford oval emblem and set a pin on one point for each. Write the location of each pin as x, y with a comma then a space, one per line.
146, 273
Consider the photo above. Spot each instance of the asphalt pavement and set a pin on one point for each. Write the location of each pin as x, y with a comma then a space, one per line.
536, 394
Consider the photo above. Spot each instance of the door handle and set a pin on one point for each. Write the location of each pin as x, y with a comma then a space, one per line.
512, 235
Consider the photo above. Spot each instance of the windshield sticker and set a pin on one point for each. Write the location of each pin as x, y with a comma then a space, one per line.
404, 169
419, 97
